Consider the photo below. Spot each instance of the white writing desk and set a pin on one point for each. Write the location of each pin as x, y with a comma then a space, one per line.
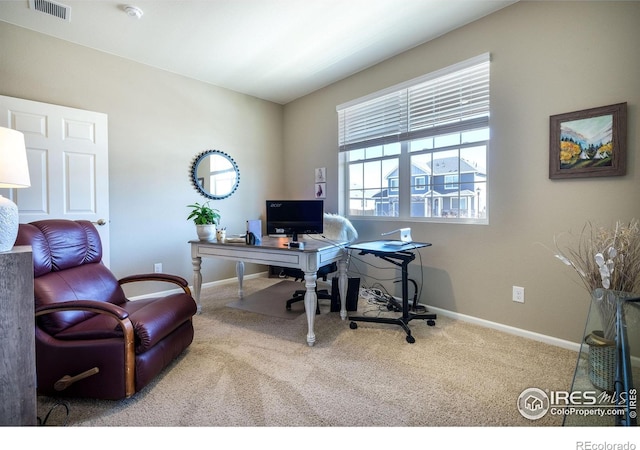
273, 251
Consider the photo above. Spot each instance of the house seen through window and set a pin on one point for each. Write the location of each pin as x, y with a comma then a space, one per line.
418, 151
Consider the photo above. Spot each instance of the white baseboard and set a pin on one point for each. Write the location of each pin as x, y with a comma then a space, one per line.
235, 279
204, 285
575, 346
454, 315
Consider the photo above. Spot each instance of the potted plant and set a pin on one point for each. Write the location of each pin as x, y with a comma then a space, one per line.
205, 218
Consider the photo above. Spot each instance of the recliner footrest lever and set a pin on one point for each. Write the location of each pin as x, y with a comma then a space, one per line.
67, 381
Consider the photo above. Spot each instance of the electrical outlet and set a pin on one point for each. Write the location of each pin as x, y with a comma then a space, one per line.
157, 267
518, 294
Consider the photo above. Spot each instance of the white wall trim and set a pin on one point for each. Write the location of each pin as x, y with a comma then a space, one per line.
575, 346
204, 285
234, 279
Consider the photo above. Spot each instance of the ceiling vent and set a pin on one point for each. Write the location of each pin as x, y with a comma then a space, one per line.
52, 8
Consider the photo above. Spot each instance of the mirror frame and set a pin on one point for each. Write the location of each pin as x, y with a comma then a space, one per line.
194, 173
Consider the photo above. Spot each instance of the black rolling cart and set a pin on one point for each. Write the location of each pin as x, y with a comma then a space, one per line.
399, 254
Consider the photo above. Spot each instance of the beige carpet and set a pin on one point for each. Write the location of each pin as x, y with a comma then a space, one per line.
272, 301
248, 369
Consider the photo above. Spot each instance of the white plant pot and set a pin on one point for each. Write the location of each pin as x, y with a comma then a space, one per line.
206, 232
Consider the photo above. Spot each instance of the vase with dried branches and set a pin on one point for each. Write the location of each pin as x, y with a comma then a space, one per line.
608, 263
607, 259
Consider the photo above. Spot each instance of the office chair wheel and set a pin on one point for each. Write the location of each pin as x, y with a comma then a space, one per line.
353, 325
410, 339
431, 322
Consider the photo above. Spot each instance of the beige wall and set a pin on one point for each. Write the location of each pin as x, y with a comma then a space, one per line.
158, 122
547, 58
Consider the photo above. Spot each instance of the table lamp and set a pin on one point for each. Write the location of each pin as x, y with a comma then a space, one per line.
14, 173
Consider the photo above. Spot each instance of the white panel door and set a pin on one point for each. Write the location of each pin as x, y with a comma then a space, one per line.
68, 156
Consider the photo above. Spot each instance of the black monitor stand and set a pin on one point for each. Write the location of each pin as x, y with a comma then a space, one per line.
401, 256
293, 243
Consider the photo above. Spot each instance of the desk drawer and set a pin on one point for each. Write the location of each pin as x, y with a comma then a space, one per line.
288, 258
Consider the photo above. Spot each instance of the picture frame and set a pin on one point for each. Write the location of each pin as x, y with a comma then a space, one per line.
589, 143
320, 186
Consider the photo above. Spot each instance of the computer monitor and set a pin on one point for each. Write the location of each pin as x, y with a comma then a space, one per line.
293, 217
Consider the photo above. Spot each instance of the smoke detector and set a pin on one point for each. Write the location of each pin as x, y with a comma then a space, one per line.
133, 11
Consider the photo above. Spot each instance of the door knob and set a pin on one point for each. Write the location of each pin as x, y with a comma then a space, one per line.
101, 222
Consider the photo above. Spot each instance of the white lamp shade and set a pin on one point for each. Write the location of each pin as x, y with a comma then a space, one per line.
14, 171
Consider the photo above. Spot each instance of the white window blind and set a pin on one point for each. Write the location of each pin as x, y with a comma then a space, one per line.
378, 121
451, 99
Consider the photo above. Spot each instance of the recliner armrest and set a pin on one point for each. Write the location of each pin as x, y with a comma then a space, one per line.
121, 315
84, 305
164, 277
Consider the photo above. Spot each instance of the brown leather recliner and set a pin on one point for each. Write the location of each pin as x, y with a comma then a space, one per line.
91, 341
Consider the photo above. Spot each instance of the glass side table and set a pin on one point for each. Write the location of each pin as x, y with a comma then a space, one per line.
605, 381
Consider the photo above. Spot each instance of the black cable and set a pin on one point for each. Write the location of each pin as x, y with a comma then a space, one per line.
386, 267
351, 270
53, 408
418, 290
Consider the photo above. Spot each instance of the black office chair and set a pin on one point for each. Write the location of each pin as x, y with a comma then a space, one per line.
337, 229
322, 294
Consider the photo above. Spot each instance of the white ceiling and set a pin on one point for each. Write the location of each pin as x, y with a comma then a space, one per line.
277, 50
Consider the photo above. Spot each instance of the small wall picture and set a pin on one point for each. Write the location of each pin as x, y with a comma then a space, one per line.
589, 143
320, 186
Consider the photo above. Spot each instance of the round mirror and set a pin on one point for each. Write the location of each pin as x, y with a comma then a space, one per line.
215, 174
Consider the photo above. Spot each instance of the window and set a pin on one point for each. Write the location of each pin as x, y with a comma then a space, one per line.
418, 151
451, 181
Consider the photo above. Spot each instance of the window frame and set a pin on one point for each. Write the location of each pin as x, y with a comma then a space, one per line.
408, 186
419, 185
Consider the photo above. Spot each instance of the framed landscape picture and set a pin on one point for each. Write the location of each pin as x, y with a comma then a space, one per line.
589, 143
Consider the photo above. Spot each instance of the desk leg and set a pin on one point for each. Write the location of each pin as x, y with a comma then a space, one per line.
342, 287
197, 280
310, 304
240, 274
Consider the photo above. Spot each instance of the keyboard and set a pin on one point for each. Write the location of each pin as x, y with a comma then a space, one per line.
396, 243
